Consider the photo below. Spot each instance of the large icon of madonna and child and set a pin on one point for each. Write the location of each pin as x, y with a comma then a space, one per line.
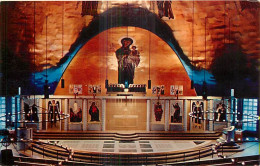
127, 60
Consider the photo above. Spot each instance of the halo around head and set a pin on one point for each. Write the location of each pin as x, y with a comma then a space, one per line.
127, 39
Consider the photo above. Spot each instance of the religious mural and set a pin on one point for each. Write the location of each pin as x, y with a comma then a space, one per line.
128, 59
54, 111
89, 8
220, 110
165, 9
75, 89
31, 110
139, 16
158, 90
198, 109
75, 110
158, 111
176, 111
94, 110
94, 89
176, 90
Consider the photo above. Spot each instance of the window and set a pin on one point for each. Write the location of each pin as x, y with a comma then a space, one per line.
2, 113
249, 111
13, 109
233, 117
15, 106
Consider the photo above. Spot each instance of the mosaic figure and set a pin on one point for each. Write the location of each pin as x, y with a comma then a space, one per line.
53, 112
127, 61
94, 112
158, 111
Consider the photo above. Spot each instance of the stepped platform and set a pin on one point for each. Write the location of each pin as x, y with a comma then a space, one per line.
56, 152
59, 153
141, 147
125, 136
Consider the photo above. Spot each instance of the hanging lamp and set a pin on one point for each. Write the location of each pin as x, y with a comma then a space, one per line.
34, 51
62, 79
192, 40
106, 81
149, 81
204, 85
46, 87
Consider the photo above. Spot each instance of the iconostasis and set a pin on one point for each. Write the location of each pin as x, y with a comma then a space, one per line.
127, 114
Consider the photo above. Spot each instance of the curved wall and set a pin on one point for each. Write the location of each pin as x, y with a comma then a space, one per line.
96, 61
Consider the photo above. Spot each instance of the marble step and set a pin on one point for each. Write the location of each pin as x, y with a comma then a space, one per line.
126, 139
29, 163
122, 159
126, 136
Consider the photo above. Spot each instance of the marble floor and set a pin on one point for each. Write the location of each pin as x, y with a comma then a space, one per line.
145, 146
250, 148
150, 146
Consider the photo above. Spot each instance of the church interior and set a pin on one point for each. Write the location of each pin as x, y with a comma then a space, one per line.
137, 82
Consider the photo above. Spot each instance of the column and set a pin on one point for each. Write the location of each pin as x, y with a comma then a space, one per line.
66, 112
21, 112
8, 112
148, 115
185, 115
103, 125
210, 117
166, 127
239, 113
16, 113
228, 112
205, 106
191, 123
85, 115
46, 114
40, 111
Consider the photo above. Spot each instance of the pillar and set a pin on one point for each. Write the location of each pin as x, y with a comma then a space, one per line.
103, 125
66, 112
204, 113
166, 127
40, 113
16, 113
240, 106
229, 111
21, 112
84, 115
210, 117
148, 115
185, 115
